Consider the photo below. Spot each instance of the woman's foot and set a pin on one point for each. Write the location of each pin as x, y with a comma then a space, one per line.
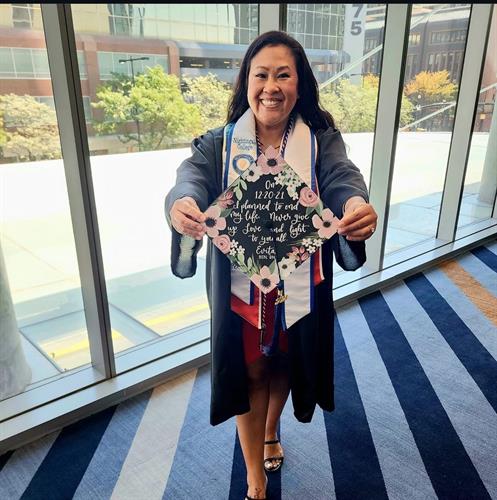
257, 489
273, 455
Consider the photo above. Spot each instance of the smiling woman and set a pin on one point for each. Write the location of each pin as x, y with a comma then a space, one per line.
272, 92
268, 341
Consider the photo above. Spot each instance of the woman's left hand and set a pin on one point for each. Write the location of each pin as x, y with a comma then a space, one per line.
359, 220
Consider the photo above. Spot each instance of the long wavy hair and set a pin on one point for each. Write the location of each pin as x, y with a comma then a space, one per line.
307, 104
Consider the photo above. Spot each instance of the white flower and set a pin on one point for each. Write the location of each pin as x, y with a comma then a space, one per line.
286, 267
253, 173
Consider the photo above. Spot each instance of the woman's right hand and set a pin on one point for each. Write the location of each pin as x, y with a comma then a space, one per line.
187, 218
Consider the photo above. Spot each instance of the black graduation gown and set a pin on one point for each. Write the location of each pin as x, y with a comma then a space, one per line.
310, 340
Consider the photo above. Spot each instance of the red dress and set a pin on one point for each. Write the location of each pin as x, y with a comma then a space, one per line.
250, 331
250, 314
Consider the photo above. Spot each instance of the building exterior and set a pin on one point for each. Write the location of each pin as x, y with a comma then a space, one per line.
195, 39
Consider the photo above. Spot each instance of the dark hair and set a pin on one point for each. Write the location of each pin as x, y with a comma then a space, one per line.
308, 103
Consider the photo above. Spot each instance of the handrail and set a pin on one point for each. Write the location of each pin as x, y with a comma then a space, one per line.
441, 110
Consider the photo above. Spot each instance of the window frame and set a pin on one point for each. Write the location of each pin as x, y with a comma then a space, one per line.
378, 270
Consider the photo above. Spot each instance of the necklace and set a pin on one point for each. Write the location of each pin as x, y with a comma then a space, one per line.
260, 147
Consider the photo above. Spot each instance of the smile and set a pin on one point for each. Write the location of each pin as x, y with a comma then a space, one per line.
270, 103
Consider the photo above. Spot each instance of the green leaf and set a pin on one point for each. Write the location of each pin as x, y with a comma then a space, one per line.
272, 266
243, 184
309, 210
238, 194
240, 259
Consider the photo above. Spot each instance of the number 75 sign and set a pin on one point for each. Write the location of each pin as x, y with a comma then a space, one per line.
353, 36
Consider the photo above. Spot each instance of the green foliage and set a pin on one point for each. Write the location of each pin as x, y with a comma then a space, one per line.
211, 97
353, 107
3, 134
29, 130
156, 102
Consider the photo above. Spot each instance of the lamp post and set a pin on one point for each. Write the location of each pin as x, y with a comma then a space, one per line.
131, 60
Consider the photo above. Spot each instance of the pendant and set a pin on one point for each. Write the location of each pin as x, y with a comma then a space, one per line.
280, 298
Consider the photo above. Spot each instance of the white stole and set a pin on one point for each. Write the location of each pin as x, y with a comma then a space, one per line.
239, 151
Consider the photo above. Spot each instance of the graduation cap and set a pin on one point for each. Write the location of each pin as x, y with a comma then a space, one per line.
268, 222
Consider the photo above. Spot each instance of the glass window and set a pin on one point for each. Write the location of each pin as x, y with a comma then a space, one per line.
450, 63
82, 65
7, 68
23, 61
480, 184
105, 64
40, 63
141, 127
423, 142
457, 65
352, 98
437, 62
44, 331
21, 15
431, 59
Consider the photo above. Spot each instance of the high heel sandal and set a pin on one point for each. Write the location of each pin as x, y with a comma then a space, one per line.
268, 460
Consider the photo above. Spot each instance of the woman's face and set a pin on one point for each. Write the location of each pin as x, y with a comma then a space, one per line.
272, 85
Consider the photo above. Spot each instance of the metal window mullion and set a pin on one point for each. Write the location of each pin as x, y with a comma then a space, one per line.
469, 86
63, 63
269, 17
13, 62
397, 25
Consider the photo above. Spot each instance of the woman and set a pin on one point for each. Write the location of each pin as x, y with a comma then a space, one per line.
274, 103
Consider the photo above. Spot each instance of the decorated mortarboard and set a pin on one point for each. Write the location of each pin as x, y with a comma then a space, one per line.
268, 222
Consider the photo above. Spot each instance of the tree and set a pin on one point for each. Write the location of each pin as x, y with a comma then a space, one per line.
353, 107
30, 128
211, 97
155, 101
429, 88
3, 135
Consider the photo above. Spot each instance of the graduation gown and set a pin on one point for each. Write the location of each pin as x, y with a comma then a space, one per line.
310, 340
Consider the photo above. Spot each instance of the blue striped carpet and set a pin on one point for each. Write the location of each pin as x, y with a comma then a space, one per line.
416, 417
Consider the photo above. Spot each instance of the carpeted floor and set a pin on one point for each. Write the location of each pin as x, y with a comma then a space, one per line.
416, 417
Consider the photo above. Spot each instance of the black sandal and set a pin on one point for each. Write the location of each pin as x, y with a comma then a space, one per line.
279, 459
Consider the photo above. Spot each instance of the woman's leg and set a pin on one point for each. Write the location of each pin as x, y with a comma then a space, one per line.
251, 427
279, 389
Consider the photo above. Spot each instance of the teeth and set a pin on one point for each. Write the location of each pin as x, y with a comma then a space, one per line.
270, 102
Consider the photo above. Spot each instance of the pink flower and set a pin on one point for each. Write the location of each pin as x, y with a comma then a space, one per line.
308, 198
222, 242
326, 224
271, 162
299, 254
265, 280
226, 199
213, 222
